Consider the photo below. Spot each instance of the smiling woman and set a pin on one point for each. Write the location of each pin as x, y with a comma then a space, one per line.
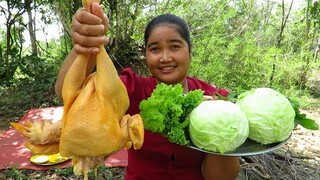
168, 54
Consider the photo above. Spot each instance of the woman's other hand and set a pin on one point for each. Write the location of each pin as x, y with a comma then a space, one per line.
89, 29
216, 167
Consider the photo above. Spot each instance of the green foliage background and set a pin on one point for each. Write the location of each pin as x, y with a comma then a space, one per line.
235, 44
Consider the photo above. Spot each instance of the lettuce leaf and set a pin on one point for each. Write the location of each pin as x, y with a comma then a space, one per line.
166, 111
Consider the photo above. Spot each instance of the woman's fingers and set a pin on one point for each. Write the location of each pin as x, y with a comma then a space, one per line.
89, 29
97, 10
85, 50
86, 23
86, 17
88, 44
88, 40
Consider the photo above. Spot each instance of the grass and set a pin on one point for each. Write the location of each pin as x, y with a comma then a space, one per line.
58, 173
16, 100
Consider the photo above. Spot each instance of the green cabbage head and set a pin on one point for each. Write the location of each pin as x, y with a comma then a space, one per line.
270, 115
218, 126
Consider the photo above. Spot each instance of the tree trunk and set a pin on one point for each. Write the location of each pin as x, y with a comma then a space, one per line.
316, 52
283, 22
31, 28
9, 65
8, 40
134, 19
118, 25
280, 36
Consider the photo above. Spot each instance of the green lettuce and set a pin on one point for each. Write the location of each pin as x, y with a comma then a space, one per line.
166, 111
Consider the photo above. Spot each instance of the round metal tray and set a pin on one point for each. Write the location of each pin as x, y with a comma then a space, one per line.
248, 148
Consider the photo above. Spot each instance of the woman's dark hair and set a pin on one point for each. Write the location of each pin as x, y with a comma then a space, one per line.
182, 26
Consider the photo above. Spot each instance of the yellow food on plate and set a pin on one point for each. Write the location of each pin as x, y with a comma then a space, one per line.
57, 158
39, 159
48, 159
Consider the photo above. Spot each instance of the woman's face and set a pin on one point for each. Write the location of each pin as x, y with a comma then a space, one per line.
167, 54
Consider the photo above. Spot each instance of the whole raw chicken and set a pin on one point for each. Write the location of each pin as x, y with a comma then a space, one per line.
94, 124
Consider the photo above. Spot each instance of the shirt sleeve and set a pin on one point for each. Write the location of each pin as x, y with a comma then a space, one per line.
138, 88
223, 92
128, 78
207, 88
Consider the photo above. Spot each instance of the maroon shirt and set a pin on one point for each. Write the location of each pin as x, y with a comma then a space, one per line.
158, 158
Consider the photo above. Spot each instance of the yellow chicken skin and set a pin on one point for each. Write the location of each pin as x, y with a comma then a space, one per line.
42, 136
94, 124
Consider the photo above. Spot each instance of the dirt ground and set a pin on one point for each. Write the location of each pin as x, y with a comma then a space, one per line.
306, 143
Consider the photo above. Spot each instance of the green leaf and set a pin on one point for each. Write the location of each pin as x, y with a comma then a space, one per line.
232, 96
301, 118
307, 123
